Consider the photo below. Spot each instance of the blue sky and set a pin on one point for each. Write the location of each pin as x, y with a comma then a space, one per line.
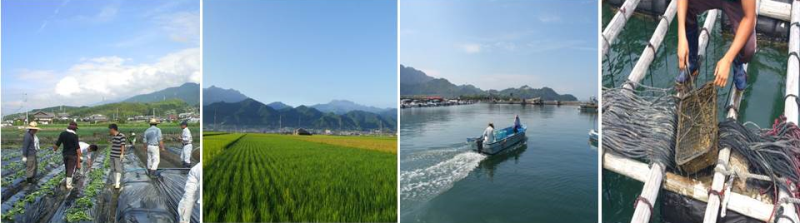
303, 52
500, 44
82, 52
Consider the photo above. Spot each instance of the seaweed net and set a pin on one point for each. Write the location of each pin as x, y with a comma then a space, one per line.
640, 124
696, 138
772, 152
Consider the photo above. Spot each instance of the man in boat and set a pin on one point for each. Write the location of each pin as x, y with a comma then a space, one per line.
71, 152
488, 134
517, 125
742, 16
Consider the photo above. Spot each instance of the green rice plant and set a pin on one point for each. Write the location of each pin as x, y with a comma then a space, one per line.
277, 178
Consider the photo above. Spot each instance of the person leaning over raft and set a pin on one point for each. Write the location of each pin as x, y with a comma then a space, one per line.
71, 151
117, 152
191, 194
30, 146
186, 138
488, 134
517, 125
153, 144
742, 16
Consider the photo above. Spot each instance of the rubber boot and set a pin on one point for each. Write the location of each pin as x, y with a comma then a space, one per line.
116, 180
69, 183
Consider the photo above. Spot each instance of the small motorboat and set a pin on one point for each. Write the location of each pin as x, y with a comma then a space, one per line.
504, 138
593, 136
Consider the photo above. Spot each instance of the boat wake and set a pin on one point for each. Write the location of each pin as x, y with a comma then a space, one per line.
427, 182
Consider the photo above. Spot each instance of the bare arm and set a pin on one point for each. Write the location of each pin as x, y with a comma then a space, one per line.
683, 44
739, 40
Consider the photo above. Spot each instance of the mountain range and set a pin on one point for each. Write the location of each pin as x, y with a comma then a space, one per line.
252, 113
215, 94
188, 92
231, 107
414, 82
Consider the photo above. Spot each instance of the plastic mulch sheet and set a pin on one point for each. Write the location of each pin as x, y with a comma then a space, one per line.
140, 199
172, 184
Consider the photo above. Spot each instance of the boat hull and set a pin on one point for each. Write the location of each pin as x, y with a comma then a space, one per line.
500, 144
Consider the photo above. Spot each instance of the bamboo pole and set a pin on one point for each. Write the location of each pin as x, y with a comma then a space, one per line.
685, 186
647, 56
790, 103
793, 67
617, 23
652, 186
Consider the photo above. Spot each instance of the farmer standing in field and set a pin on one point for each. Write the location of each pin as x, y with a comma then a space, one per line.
117, 152
71, 151
190, 193
153, 144
30, 145
186, 138
742, 16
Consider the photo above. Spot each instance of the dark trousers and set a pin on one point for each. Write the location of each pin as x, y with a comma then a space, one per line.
734, 12
31, 165
70, 162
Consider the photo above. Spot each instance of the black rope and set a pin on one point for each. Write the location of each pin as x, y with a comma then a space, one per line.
645, 201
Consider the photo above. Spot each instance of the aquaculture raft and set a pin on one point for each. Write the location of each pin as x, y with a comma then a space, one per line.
655, 176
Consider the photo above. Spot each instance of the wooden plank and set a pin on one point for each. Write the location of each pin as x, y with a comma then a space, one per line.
647, 56
686, 186
617, 23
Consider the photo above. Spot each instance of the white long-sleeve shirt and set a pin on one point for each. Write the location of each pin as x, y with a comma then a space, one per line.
488, 135
191, 193
186, 136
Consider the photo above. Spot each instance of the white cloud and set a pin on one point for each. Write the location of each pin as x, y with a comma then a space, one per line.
471, 48
181, 26
95, 79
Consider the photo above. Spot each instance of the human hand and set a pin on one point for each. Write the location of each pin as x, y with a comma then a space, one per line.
721, 72
683, 53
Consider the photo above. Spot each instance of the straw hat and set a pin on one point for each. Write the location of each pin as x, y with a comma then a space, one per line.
32, 125
154, 121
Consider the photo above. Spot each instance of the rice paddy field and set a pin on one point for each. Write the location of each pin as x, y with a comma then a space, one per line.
281, 178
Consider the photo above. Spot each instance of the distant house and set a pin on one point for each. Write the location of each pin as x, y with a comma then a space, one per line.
98, 118
301, 131
185, 115
328, 132
44, 117
63, 116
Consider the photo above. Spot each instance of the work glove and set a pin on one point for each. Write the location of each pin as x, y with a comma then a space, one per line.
24, 159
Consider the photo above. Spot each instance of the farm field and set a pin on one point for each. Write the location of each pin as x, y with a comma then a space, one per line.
280, 178
48, 201
96, 133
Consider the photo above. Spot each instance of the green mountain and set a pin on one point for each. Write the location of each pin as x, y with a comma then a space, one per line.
414, 82
216, 94
188, 92
252, 113
123, 109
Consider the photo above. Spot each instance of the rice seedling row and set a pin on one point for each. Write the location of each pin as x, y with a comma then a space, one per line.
271, 178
